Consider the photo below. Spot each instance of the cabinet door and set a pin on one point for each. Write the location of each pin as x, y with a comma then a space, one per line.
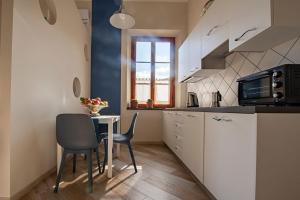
215, 26
168, 128
247, 20
183, 60
195, 49
193, 143
230, 155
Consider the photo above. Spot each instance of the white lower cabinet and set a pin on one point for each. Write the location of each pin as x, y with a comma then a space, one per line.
193, 142
239, 156
230, 155
184, 135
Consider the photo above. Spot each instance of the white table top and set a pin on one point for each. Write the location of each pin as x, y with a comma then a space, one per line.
107, 118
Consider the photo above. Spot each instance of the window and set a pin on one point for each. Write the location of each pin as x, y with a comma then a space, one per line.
152, 71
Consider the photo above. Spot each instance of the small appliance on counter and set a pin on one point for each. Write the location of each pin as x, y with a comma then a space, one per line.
215, 99
276, 86
192, 100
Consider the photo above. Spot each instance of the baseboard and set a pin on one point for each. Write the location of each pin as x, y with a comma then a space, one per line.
209, 194
28, 188
148, 143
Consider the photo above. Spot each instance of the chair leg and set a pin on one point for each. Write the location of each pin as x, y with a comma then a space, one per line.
61, 168
90, 171
74, 163
132, 157
98, 160
105, 156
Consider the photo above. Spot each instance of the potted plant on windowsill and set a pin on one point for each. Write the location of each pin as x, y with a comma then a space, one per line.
134, 103
149, 103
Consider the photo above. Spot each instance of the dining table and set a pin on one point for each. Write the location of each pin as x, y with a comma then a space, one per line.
110, 120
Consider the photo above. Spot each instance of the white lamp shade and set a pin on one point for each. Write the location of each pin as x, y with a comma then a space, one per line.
122, 21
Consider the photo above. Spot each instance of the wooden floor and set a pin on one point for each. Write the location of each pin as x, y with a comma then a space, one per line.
160, 176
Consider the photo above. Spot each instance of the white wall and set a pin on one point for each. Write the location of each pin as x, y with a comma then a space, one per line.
6, 17
45, 59
194, 10
152, 18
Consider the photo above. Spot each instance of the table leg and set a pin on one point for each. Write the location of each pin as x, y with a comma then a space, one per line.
109, 149
118, 145
58, 157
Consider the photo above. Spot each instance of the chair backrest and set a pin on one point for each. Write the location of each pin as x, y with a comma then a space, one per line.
130, 132
75, 132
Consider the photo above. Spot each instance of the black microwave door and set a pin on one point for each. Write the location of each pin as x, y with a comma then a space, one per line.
256, 91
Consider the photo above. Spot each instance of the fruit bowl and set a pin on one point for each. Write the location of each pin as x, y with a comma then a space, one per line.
94, 105
95, 109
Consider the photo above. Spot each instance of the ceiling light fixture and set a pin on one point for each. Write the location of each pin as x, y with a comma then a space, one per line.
121, 20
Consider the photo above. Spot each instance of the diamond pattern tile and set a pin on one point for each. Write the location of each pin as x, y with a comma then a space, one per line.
247, 68
284, 48
271, 59
229, 75
240, 64
237, 62
293, 54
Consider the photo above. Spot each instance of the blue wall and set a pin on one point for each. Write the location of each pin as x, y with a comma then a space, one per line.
106, 56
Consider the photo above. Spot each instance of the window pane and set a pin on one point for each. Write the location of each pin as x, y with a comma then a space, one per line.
162, 83
143, 51
143, 81
162, 51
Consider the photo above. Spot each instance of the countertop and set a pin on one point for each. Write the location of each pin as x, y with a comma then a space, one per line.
242, 109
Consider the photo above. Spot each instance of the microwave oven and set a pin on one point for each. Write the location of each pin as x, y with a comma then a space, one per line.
276, 86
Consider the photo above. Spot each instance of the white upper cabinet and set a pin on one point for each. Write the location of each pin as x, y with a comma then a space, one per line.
258, 25
183, 61
248, 19
215, 26
195, 49
248, 25
190, 54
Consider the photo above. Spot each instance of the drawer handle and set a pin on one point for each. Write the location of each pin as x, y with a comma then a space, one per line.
239, 38
222, 119
211, 30
192, 116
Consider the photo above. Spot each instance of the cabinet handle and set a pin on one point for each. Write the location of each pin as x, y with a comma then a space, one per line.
239, 38
217, 119
222, 119
211, 30
206, 6
191, 116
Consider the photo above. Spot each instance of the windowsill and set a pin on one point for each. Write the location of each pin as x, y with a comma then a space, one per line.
128, 108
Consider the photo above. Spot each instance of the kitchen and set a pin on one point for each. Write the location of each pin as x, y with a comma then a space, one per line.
214, 83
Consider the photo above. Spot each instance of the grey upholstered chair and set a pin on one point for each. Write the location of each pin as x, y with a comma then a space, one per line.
75, 133
122, 139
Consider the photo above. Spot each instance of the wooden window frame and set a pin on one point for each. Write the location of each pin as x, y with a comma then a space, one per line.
151, 39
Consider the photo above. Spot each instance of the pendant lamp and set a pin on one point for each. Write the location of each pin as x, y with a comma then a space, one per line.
121, 20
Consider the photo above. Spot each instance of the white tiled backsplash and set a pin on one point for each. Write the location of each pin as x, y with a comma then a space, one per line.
241, 64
